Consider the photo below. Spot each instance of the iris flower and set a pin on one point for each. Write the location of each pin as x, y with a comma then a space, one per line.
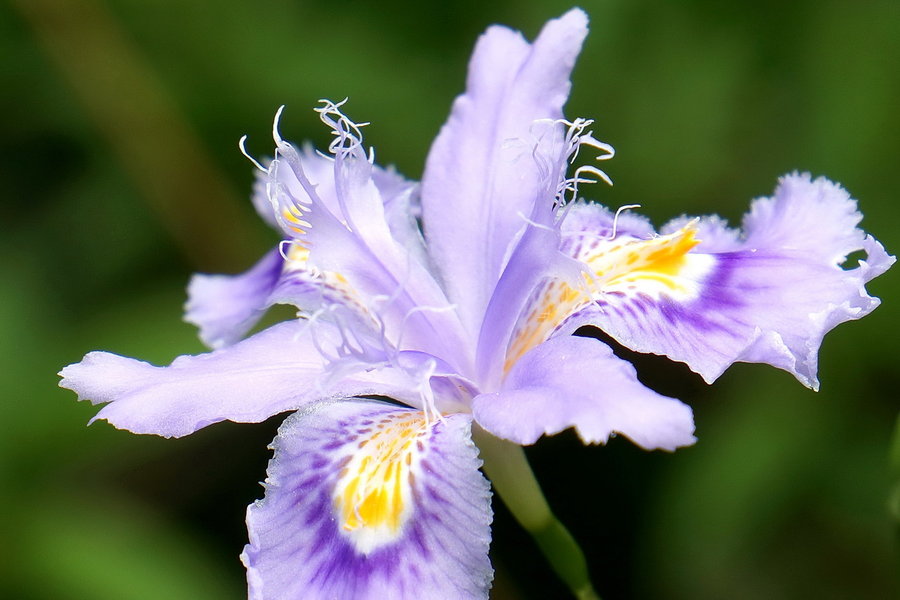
431, 313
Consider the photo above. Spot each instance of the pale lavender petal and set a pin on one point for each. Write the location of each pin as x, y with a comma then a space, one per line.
816, 218
539, 287
586, 222
226, 307
535, 260
273, 371
393, 187
366, 500
712, 230
260, 196
769, 296
877, 262
481, 179
345, 229
402, 212
578, 382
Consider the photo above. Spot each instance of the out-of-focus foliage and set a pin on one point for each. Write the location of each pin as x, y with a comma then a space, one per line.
786, 493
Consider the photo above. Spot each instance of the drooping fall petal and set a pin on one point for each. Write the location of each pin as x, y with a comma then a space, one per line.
368, 500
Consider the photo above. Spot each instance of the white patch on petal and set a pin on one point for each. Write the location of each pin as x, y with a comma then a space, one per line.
657, 267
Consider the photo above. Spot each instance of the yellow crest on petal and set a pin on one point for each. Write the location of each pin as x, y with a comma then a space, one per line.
651, 267
626, 266
373, 495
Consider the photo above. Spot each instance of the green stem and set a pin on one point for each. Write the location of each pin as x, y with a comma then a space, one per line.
513, 480
893, 499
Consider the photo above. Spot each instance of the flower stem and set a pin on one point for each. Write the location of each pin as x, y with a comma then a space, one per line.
507, 467
894, 495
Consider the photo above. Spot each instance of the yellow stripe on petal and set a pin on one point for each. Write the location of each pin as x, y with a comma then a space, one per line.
297, 253
557, 301
658, 266
661, 266
294, 219
373, 495
336, 287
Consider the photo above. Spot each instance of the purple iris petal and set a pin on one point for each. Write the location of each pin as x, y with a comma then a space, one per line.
349, 235
226, 307
578, 382
276, 370
536, 259
480, 181
769, 295
429, 515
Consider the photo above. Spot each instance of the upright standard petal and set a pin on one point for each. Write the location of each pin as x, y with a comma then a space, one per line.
578, 382
707, 296
481, 179
368, 500
275, 370
351, 236
226, 307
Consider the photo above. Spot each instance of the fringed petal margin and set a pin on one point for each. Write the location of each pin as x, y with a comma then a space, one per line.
708, 296
276, 370
574, 381
368, 500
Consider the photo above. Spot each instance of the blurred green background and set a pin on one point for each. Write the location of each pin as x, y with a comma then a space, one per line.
121, 176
